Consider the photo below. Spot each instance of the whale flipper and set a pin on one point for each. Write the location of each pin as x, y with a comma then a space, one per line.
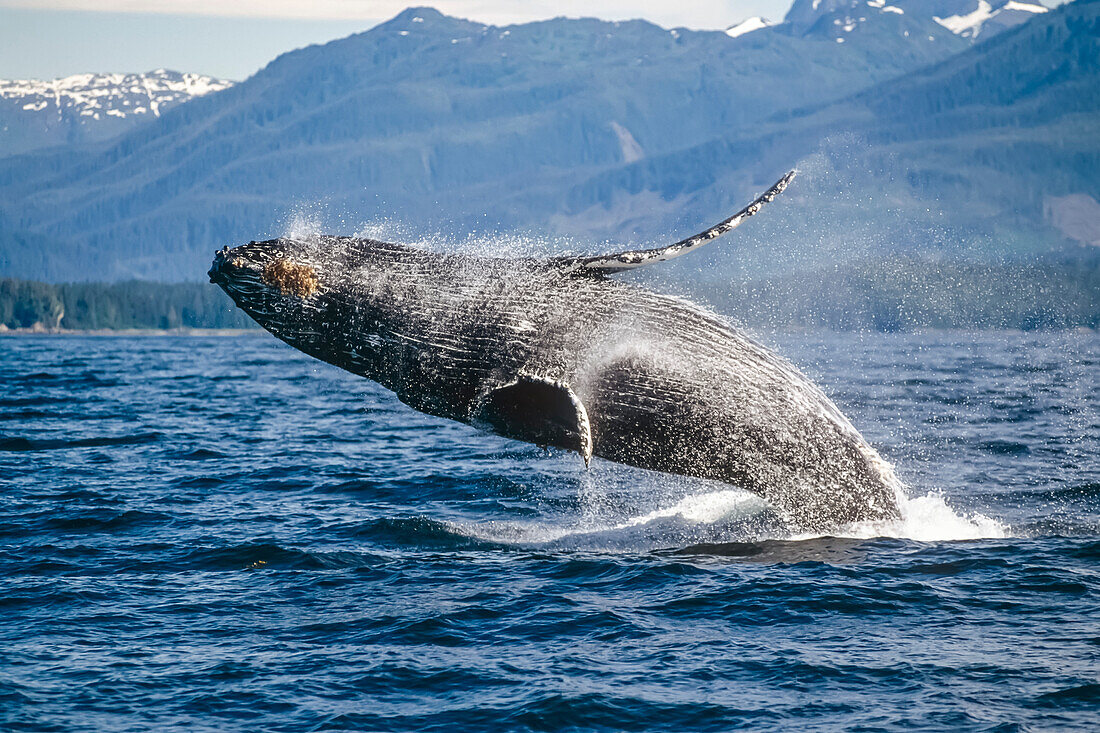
537, 410
630, 260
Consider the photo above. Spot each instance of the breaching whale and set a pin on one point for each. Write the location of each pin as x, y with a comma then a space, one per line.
556, 352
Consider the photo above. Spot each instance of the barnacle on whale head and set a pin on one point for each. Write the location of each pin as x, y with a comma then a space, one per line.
291, 278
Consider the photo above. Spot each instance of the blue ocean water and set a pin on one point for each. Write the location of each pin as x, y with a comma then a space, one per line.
221, 534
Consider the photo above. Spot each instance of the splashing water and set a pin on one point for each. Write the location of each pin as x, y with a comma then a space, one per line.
304, 225
385, 229
597, 519
492, 243
927, 518
930, 518
705, 508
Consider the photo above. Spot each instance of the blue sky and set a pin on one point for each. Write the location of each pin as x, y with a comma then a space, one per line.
51, 38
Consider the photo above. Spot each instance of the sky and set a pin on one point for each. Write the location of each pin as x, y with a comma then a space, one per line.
232, 39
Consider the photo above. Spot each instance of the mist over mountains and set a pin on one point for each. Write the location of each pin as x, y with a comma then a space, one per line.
911, 138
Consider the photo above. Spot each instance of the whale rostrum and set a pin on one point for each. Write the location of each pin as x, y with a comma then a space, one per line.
555, 352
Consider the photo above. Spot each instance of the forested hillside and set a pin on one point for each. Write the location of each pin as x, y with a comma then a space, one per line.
967, 158
905, 293
604, 135
438, 124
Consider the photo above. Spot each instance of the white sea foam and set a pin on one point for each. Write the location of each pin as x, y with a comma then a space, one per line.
702, 509
927, 518
705, 508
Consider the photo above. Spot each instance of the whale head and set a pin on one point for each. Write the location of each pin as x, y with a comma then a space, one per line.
322, 290
281, 283
272, 269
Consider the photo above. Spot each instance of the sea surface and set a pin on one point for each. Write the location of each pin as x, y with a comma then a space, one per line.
221, 534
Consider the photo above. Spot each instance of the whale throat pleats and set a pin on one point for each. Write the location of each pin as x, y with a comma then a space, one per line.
537, 410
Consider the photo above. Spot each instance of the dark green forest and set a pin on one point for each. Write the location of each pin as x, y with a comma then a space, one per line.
135, 304
901, 293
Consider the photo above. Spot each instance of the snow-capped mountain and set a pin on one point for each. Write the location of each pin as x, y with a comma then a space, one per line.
923, 19
36, 113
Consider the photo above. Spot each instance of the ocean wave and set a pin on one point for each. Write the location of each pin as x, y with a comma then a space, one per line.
272, 556
19, 444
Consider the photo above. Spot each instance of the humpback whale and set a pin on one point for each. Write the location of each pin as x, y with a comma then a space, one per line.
557, 352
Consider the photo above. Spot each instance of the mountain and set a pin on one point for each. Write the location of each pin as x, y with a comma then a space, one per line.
440, 124
994, 153
921, 21
917, 19
89, 107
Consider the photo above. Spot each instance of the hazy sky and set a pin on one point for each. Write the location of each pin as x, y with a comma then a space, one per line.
234, 38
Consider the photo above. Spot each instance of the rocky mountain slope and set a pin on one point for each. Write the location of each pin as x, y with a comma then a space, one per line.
89, 107
918, 19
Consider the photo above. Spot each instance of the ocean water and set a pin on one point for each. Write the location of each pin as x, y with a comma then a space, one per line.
221, 534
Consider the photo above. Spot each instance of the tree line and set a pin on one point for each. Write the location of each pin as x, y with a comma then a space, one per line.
899, 293
114, 306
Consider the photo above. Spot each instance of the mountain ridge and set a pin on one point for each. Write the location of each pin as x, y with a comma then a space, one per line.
562, 127
36, 113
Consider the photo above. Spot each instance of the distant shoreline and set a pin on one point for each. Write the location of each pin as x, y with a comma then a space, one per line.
229, 332
131, 332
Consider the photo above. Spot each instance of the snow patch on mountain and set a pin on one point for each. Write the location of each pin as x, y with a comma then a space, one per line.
884, 8
970, 25
748, 26
964, 18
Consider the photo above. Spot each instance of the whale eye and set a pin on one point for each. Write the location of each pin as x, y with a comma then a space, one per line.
291, 278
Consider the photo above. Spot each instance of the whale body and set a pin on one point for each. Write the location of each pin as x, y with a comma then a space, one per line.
556, 352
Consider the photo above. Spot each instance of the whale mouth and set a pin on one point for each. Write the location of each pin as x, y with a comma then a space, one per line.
217, 273
231, 266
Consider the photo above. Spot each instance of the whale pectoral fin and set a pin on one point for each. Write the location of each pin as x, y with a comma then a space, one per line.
630, 260
537, 410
